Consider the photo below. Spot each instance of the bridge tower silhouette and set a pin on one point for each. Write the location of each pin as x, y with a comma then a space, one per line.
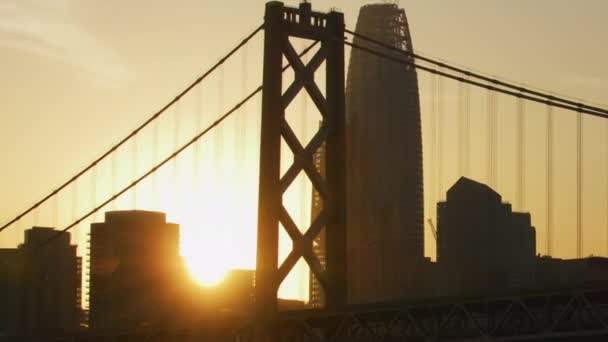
282, 23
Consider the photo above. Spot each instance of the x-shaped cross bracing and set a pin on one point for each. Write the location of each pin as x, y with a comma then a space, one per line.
303, 161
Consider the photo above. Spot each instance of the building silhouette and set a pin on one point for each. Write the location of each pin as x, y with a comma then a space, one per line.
11, 283
137, 277
583, 273
235, 296
316, 296
482, 247
384, 158
40, 287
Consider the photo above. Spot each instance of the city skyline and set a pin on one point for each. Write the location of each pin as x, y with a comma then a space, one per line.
87, 145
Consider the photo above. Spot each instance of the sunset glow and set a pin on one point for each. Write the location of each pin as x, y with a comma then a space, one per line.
78, 79
205, 273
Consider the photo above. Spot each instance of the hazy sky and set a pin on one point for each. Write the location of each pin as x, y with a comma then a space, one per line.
79, 75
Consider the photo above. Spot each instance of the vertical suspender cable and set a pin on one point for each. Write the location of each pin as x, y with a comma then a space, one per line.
496, 153
113, 176
549, 179
219, 134
463, 128
489, 138
94, 190
134, 171
433, 141
579, 184
196, 161
460, 132
155, 154
520, 143
241, 123
54, 210
18, 231
491, 168
467, 129
74, 213
175, 163
36, 217
440, 133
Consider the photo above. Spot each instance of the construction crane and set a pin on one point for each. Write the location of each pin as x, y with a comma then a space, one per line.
433, 229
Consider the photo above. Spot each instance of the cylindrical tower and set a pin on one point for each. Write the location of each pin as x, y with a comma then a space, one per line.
384, 158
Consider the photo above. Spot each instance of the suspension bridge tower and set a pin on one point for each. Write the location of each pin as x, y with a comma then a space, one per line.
282, 23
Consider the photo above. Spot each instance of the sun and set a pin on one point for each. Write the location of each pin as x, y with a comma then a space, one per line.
217, 234
206, 274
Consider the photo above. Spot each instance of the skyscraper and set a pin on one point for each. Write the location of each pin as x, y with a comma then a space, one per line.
384, 158
40, 286
316, 296
136, 271
483, 246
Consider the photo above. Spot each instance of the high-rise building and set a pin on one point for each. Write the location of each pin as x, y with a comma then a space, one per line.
316, 296
483, 247
559, 274
136, 272
384, 159
40, 286
11, 283
234, 295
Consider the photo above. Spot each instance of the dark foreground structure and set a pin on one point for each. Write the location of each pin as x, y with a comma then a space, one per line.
384, 158
483, 246
137, 275
40, 287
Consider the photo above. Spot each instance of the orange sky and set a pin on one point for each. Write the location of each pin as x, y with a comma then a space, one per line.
78, 76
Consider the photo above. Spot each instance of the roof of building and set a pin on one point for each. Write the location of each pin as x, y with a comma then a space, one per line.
134, 215
468, 186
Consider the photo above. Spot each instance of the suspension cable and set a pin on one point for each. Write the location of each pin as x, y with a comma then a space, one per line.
155, 168
467, 130
134, 132
482, 77
440, 138
492, 171
520, 143
171, 157
134, 171
549, 179
462, 130
433, 138
579, 185
549, 101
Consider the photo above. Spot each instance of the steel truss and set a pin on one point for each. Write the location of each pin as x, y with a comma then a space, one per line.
542, 316
578, 315
281, 23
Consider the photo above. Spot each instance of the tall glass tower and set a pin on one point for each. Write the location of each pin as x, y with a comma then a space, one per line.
384, 159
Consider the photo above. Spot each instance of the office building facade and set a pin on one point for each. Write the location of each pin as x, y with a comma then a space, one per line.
40, 283
136, 272
384, 158
483, 247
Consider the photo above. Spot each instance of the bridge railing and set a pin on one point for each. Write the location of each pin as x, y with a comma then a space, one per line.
580, 313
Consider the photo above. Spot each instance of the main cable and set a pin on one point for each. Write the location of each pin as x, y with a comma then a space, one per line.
481, 77
168, 159
137, 130
481, 85
153, 169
